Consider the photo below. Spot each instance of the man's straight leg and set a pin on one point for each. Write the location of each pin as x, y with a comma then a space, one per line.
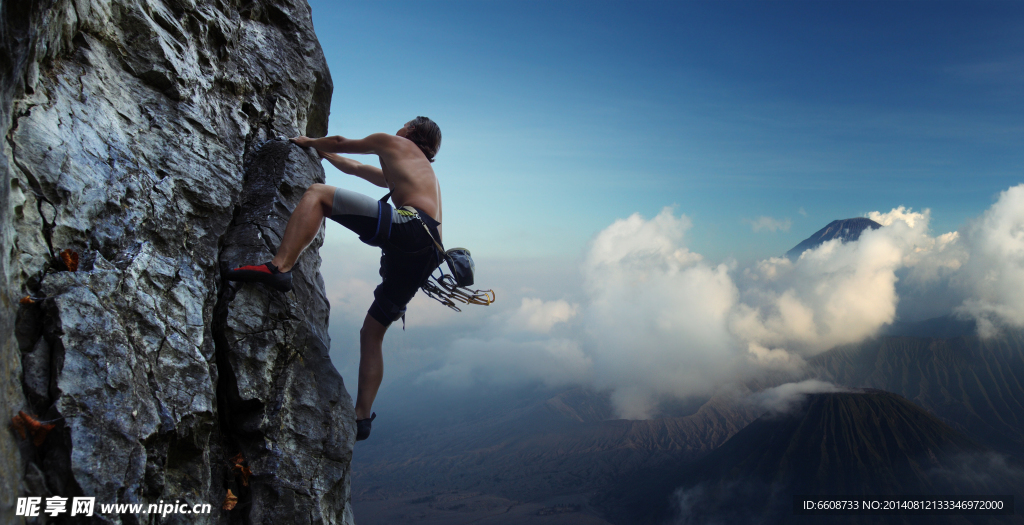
371, 364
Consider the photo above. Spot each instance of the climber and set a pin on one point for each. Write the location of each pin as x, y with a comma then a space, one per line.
403, 232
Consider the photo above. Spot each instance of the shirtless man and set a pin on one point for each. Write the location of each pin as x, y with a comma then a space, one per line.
410, 255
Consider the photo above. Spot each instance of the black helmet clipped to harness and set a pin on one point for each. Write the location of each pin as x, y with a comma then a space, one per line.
461, 265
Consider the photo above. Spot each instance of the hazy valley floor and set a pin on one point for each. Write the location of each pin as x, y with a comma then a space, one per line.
537, 455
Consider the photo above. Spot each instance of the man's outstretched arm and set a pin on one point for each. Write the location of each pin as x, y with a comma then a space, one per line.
371, 174
337, 144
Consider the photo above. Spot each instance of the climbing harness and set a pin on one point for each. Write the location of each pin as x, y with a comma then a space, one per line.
451, 287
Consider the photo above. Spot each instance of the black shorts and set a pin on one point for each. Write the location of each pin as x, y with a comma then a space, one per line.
409, 254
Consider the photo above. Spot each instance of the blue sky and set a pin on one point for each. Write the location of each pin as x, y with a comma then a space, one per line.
560, 117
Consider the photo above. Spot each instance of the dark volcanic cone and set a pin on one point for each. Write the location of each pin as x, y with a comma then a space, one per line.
846, 230
871, 443
971, 384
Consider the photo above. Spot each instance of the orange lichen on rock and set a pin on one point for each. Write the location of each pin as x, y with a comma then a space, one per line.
241, 469
230, 500
26, 424
70, 259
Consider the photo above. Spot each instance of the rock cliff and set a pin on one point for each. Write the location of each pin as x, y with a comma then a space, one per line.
139, 161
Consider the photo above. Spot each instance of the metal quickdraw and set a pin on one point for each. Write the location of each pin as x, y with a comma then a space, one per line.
446, 291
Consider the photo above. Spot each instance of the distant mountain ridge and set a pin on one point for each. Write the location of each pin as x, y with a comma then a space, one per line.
844, 229
567, 442
871, 442
972, 384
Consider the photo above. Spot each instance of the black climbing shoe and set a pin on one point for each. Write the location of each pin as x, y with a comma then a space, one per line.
363, 427
267, 274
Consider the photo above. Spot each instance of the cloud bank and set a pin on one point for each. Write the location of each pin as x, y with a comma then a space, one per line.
657, 320
992, 276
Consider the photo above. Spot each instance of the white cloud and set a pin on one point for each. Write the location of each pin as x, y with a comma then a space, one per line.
350, 273
770, 224
504, 361
837, 293
993, 274
655, 316
659, 320
513, 345
785, 398
635, 244
535, 315
902, 213
633, 402
350, 298
774, 358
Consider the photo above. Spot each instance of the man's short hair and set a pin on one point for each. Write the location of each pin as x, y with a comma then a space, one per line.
427, 135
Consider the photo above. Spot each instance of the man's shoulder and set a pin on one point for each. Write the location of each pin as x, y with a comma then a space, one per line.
382, 139
398, 147
389, 142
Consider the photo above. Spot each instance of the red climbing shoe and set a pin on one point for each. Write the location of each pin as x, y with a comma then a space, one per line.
267, 274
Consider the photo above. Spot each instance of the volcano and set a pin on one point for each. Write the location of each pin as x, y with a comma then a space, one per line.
844, 230
865, 443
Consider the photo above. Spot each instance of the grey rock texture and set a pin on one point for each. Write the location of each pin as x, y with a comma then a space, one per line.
138, 134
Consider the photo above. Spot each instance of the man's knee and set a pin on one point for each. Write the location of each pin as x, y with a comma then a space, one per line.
320, 190
322, 194
371, 330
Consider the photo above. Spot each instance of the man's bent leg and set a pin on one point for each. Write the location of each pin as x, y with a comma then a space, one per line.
304, 224
371, 364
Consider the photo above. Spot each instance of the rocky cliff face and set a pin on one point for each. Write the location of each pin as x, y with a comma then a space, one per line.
138, 162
